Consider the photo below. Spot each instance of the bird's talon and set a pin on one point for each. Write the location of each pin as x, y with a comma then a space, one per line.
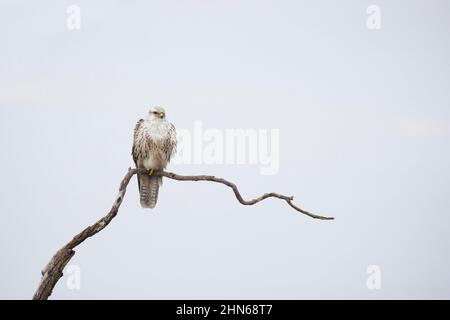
150, 172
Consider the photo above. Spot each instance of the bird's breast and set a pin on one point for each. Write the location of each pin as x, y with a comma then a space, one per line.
154, 161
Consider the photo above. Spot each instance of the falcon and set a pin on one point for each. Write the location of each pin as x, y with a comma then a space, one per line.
154, 143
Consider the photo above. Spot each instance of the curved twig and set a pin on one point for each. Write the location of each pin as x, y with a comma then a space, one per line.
53, 271
288, 199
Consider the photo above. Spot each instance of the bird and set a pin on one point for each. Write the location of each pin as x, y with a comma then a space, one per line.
154, 144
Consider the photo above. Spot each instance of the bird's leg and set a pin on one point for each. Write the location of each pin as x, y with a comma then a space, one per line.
150, 171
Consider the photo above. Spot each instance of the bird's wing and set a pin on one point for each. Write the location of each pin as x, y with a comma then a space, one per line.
135, 134
170, 144
134, 149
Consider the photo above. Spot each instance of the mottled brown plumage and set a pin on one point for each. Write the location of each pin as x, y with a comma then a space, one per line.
154, 143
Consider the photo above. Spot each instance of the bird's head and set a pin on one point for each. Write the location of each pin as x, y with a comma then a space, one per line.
157, 113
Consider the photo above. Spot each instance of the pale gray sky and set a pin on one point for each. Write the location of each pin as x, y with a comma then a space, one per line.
364, 120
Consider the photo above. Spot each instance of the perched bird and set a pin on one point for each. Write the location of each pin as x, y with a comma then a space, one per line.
154, 143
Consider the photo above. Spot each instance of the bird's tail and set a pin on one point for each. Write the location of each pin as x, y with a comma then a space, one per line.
149, 187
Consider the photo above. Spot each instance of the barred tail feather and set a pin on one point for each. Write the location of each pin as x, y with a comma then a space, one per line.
149, 187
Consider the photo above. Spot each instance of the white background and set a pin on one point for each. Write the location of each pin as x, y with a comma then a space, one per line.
364, 125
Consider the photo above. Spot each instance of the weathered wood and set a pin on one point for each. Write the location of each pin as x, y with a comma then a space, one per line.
288, 199
54, 269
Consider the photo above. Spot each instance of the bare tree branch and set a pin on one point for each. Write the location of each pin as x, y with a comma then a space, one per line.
54, 269
288, 199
